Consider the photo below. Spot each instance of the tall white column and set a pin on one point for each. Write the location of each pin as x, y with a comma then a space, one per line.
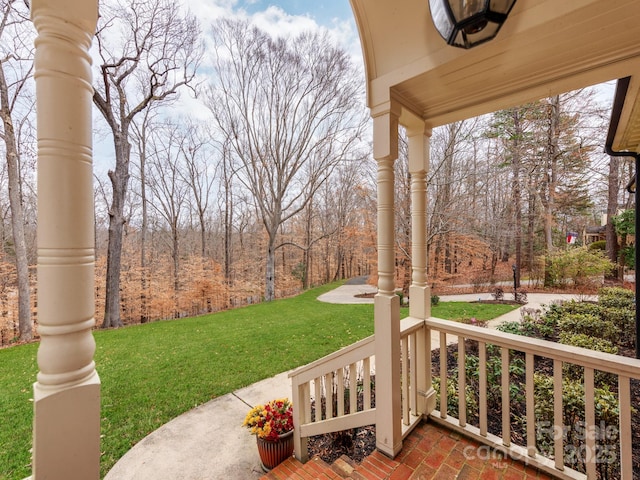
386, 302
419, 291
66, 433
420, 305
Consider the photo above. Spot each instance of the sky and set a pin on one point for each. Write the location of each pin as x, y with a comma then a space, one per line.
284, 17
324, 12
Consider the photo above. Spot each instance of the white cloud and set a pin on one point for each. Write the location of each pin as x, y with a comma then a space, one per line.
277, 22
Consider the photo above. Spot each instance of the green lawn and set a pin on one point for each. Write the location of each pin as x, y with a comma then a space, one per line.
466, 310
152, 373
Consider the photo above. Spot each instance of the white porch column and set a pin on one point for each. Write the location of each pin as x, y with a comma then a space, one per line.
419, 291
420, 305
387, 303
66, 431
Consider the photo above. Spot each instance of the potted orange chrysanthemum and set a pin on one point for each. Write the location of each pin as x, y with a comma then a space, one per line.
272, 424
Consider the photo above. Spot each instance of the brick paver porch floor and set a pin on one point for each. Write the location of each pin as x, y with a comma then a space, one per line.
429, 452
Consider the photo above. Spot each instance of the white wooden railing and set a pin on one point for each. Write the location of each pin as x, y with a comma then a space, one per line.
623, 368
323, 390
316, 385
317, 388
417, 392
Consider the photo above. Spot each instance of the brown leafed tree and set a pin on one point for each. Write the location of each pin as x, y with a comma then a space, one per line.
16, 66
148, 50
290, 109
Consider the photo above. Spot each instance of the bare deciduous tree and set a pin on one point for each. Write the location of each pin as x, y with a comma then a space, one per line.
168, 189
16, 66
290, 110
148, 50
141, 133
197, 173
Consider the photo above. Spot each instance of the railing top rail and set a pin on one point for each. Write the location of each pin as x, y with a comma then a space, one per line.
605, 362
363, 345
409, 325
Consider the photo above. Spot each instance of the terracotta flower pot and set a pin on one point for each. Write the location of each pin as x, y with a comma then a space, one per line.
272, 453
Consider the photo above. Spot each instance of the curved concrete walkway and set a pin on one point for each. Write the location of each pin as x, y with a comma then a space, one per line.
208, 442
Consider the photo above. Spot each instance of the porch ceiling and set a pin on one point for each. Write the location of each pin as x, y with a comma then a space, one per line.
545, 47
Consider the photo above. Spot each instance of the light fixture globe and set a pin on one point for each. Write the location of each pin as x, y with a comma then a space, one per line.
467, 23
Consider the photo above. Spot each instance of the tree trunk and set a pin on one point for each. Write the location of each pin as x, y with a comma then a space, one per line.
144, 317
551, 179
175, 255
17, 214
228, 222
306, 253
531, 228
119, 181
517, 207
203, 235
612, 246
270, 277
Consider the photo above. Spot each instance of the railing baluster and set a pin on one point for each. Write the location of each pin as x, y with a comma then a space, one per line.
443, 374
531, 416
590, 420
506, 397
462, 383
558, 420
428, 369
306, 398
366, 379
404, 347
626, 453
353, 388
317, 384
328, 394
482, 354
413, 374
340, 394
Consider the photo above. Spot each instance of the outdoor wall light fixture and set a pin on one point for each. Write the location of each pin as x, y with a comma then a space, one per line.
467, 23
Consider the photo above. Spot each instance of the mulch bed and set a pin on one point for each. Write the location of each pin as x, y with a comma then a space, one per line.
356, 444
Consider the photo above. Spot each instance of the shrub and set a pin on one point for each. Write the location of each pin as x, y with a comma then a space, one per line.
452, 396
494, 375
514, 327
625, 320
598, 245
435, 300
573, 431
616, 297
498, 294
585, 341
617, 292
589, 325
578, 264
583, 308
576, 372
628, 252
541, 326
